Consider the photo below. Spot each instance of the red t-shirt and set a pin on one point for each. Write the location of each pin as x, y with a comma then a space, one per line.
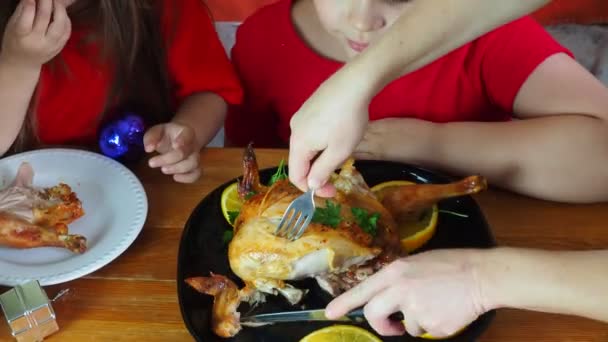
69, 103
477, 82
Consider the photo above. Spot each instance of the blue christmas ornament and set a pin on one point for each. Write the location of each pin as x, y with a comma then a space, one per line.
123, 138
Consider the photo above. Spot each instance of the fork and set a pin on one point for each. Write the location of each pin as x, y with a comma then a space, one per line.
302, 208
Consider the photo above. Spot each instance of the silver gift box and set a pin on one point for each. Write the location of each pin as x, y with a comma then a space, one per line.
28, 312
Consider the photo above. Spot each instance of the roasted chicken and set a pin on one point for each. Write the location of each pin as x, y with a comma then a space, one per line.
38, 217
351, 237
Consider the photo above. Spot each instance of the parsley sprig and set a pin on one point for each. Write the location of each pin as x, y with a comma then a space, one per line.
329, 216
368, 222
280, 174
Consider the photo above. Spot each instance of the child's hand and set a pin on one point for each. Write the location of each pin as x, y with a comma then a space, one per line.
31, 38
178, 148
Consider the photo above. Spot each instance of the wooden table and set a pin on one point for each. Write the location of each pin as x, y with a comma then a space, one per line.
134, 298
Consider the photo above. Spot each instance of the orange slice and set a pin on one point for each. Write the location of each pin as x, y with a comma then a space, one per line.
416, 228
231, 202
341, 333
344, 333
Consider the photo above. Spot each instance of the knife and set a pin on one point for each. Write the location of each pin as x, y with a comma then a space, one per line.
355, 316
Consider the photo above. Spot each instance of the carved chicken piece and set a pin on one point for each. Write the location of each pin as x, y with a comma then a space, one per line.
226, 300
412, 198
338, 251
16, 232
58, 207
31, 217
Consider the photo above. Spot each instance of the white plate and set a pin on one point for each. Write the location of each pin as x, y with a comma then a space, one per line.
115, 206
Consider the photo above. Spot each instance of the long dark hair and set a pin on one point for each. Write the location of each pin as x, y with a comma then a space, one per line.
129, 33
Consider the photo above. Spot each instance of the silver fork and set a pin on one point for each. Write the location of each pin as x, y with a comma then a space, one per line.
297, 217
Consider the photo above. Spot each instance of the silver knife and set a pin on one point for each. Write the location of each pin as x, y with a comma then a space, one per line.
355, 316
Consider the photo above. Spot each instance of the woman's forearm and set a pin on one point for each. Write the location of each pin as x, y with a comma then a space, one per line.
430, 29
572, 283
17, 85
205, 113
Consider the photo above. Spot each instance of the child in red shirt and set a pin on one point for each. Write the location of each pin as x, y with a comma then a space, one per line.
454, 114
69, 66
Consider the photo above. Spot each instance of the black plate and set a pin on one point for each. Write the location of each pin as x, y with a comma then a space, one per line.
202, 250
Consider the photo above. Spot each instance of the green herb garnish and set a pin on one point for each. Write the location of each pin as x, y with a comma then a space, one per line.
454, 213
280, 174
227, 237
249, 195
329, 216
232, 215
366, 221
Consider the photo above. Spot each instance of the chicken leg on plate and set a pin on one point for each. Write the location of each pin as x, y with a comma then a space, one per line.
38, 217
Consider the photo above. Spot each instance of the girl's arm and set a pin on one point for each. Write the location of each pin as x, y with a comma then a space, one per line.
179, 142
204, 113
17, 85
571, 283
559, 151
30, 40
203, 82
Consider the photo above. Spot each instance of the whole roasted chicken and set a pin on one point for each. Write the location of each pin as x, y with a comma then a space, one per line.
38, 217
351, 236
